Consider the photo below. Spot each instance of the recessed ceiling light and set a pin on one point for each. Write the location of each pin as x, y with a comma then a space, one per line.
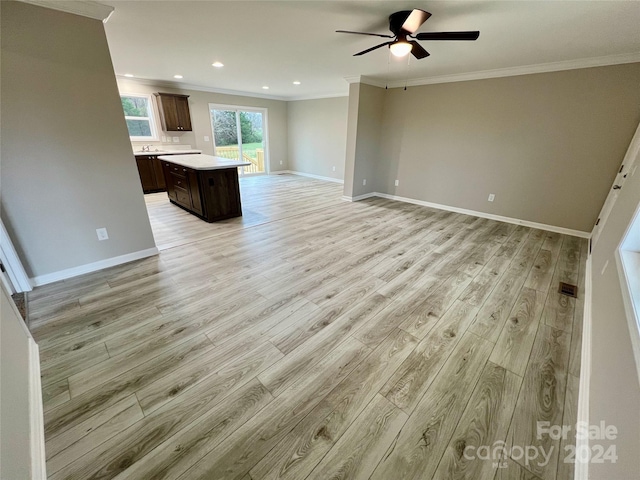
177, 76
217, 64
296, 83
129, 75
264, 87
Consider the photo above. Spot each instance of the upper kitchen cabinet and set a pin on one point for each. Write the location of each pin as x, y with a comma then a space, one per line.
174, 112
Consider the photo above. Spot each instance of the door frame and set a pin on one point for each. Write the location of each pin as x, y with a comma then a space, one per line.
627, 167
265, 130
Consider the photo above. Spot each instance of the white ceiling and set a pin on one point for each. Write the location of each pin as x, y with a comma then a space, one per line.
275, 43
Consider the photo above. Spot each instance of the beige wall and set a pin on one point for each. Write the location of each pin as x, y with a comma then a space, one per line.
201, 120
67, 166
364, 131
318, 136
547, 145
614, 391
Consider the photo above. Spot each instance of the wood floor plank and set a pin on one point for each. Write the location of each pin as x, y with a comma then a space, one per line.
78, 409
411, 380
300, 451
566, 465
419, 322
541, 399
74, 443
55, 394
515, 342
416, 452
303, 359
121, 451
73, 364
540, 275
484, 422
247, 445
358, 451
494, 312
175, 455
510, 470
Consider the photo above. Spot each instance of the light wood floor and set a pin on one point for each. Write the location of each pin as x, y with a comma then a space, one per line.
314, 338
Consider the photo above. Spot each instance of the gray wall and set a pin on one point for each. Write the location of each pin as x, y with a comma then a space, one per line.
67, 166
16, 406
547, 145
201, 120
318, 136
364, 131
614, 394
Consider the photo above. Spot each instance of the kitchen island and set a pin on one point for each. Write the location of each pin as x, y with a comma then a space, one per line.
204, 185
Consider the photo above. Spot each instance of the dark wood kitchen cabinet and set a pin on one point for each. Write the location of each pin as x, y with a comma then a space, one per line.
151, 174
209, 194
174, 112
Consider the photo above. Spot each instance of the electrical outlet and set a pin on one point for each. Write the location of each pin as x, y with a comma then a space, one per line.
364, 181
397, 182
176, 139
164, 139
102, 234
334, 168
206, 138
281, 162
492, 197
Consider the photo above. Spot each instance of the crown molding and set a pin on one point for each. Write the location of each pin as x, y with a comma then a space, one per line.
523, 70
366, 80
198, 88
84, 8
318, 97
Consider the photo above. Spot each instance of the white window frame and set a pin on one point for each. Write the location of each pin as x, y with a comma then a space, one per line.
150, 118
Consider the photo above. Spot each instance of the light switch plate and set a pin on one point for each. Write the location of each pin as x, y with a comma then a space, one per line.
397, 182
364, 182
492, 197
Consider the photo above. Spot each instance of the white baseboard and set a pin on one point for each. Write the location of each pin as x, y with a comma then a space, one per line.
92, 267
474, 213
359, 197
36, 414
311, 175
582, 468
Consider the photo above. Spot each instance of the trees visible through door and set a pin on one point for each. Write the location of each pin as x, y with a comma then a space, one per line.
239, 134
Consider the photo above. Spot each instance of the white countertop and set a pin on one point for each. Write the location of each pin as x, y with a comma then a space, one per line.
203, 162
138, 153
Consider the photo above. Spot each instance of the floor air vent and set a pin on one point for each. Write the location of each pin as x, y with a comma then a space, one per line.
568, 290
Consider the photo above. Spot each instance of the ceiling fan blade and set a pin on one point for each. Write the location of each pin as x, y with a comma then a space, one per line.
415, 19
372, 48
365, 33
448, 35
417, 50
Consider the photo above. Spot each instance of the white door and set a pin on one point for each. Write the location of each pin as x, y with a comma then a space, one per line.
628, 164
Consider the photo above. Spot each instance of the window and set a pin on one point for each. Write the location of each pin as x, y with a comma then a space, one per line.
139, 116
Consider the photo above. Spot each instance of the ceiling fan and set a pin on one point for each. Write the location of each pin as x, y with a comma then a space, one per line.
403, 25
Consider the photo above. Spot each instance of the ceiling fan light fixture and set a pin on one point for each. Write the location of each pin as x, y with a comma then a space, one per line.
400, 49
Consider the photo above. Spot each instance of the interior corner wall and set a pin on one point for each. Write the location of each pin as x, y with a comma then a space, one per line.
547, 145
199, 101
614, 393
364, 129
67, 166
318, 136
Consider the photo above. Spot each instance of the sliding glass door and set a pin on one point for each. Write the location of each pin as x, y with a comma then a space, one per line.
239, 133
